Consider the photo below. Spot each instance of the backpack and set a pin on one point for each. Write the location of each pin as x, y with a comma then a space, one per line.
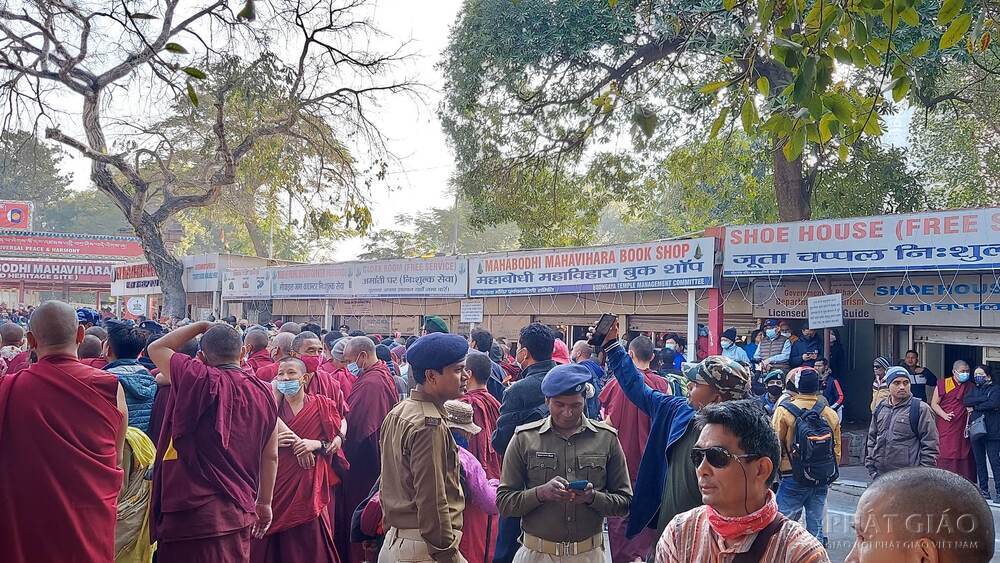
678, 384
914, 414
813, 459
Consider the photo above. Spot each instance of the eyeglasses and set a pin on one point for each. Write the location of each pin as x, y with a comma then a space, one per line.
718, 457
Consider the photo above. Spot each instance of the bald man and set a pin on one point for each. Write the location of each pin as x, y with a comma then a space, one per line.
291, 328
217, 450
99, 332
281, 348
66, 430
91, 352
373, 396
12, 337
258, 356
922, 514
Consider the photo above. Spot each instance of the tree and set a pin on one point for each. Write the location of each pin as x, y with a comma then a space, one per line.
88, 212
29, 171
538, 82
158, 47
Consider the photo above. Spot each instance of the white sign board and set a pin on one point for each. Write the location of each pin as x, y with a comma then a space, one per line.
136, 305
967, 239
788, 299
415, 277
472, 311
246, 283
826, 311
320, 280
946, 301
674, 264
201, 273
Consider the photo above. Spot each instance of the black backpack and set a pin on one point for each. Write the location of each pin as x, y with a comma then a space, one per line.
813, 458
914, 414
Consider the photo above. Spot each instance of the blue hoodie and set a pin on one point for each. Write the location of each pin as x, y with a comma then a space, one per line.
140, 390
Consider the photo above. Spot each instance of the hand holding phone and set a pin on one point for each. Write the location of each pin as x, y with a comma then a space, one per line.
578, 485
601, 330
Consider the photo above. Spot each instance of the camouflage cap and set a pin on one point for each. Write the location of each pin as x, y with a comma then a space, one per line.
725, 375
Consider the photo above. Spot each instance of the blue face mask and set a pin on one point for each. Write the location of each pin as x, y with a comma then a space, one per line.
289, 387
726, 344
670, 346
962, 377
771, 333
354, 368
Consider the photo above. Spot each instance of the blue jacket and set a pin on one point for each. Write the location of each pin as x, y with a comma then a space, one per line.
140, 390
495, 383
669, 418
597, 380
523, 402
803, 346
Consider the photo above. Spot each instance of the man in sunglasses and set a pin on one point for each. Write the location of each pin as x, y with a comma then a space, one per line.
736, 458
666, 484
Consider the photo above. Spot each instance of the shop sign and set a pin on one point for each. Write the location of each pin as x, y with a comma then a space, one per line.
136, 306
945, 240
135, 279
790, 299
246, 283
320, 280
946, 301
56, 271
16, 215
51, 244
674, 264
417, 277
201, 273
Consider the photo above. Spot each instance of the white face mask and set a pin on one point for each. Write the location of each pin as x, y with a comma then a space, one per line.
786, 334
670, 346
726, 344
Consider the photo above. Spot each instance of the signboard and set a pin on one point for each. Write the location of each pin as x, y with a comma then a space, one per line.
826, 311
201, 273
942, 240
472, 311
675, 264
246, 283
416, 277
136, 306
57, 271
320, 280
135, 279
948, 301
788, 299
16, 215
76, 246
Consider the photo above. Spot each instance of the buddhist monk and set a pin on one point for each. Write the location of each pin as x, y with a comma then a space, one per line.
373, 396
947, 402
12, 337
62, 430
290, 328
258, 356
302, 529
217, 450
333, 360
485, 412
91, 352
633, 431
162, 400
99, 332
281, 348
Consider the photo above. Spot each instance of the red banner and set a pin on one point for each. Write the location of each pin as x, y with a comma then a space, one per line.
55, 270
15, 215
52, 244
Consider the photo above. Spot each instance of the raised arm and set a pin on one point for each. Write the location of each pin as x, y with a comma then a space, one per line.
161, 350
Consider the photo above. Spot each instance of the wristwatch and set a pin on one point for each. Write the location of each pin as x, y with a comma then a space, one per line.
324, 447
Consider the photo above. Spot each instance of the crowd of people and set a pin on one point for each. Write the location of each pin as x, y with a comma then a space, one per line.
225, 441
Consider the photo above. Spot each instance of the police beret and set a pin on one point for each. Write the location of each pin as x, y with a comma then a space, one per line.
435, 323
566, 379
436, 350
87, 315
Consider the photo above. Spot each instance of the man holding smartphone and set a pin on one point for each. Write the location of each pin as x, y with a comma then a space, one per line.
563, 475
807, 349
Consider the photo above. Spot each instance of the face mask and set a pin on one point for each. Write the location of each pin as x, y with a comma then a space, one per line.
311, 362
980, 379
726, 344
289, 387
833, 338
670, 346
774, 390
771, 333
786, 334
354, 368
962, 377
404, 370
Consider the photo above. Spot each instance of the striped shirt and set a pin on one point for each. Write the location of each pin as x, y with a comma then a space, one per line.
689, 537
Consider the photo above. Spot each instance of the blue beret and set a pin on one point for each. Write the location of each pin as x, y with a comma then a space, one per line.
436, 350
87, 315
566, 379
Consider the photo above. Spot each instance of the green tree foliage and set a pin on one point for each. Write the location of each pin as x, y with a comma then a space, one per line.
29, 171
89, 212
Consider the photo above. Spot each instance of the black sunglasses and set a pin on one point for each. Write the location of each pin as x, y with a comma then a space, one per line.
718, 457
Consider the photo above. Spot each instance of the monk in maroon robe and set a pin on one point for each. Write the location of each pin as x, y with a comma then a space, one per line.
217, 451
485, 412
302, 529
955, 449
91, 352
281, 348
633, 431
12, 339
258, 356
62, 432
373, 396
333, 361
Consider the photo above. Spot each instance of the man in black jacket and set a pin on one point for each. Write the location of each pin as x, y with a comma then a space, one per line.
523, 402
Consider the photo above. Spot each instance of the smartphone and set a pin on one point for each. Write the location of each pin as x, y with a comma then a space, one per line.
602, 329
578, 485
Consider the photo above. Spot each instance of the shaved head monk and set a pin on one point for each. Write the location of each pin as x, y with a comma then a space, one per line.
217, 452
258, 355
281, 348
62, 430
91, 348
12, 336
99, 332
373, 396
291, 328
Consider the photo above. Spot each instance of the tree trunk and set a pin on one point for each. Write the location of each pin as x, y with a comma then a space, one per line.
257, 236
791, 188
167, 266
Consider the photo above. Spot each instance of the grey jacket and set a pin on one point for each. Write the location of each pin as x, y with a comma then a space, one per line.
892, 444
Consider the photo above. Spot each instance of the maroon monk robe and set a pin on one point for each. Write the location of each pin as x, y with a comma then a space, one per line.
955, 449
260, 359
633, 431
343, 376
302, 530
97, 363
59, 426
207, 472
485, 412
267, 372
19, 362
372, 398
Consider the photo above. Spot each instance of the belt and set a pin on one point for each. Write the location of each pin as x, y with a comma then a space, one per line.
411, 534
563, 548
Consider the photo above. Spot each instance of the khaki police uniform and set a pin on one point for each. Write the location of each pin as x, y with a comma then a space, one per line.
556, 531
420, 490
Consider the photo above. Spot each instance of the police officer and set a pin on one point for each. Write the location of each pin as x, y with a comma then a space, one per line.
421, 491
563, 475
